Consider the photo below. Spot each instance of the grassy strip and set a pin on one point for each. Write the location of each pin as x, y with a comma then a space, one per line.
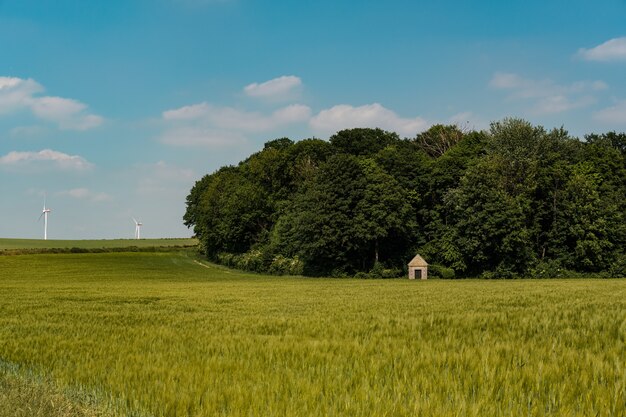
6, 244
12, 252
24, 394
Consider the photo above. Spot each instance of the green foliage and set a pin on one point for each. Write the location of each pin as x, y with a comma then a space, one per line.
347, 217
157, 334
362, 142
492, 204
490, 224
281, 265
439, 139
236, 213
439, 271
259, 261
550, 269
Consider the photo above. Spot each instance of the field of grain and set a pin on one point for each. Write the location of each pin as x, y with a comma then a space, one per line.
7, 244
157, 334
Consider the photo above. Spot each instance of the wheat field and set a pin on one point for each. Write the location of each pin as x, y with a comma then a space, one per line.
160, 334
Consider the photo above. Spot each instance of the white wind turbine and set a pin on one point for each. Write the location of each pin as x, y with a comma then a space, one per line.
44, 213
137, 229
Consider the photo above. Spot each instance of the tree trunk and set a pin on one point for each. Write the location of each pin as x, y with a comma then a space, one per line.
376, 251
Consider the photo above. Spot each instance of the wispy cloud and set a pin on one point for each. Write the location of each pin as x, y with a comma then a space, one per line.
17, 94
27, 131
162, 178
214, 126
85, 194
615, 114
209, 125
374, 115
45, 158
545, 95
235, 119
283, 87
611, 50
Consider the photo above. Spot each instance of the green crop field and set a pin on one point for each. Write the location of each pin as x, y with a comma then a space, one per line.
8, 244
159, 334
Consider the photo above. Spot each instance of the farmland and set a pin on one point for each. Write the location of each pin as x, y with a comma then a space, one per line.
11, 244
159, 334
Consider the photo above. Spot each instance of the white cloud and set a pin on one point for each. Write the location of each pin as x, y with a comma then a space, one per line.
561, 103
615, 114
194, 111
85, 194
547, 96
208, 125
611, 50
48, 157
18, 94
277, 88
344, 116
502, 80
239, 120
67, 113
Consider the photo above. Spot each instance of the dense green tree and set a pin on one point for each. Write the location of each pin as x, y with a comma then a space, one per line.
491, 234
514, 199
344, 216
362, 141
586, 220
437, 233
438, 139
194, 216
405, 162
234, 213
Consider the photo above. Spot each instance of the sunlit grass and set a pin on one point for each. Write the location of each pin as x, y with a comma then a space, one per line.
158, 334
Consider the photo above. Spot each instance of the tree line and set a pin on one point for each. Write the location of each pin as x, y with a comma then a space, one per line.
515, 200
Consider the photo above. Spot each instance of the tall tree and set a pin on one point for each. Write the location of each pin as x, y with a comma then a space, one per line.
344, 215
362, 141
439, 139
233, 213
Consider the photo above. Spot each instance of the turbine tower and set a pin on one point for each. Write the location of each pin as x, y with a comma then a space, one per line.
137, 229
44, 213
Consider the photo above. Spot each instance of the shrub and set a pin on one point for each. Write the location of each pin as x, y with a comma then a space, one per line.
551, 268
440, 271
250, 261
377, 270
618, 268
392, 273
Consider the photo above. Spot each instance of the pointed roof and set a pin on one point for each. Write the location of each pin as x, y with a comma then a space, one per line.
418, 261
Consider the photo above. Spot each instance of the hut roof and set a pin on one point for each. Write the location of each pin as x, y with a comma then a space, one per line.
418, 261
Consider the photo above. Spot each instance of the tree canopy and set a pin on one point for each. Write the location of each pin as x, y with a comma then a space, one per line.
516, 200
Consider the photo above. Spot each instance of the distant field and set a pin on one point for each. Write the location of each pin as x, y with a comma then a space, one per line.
6, 244
158, 334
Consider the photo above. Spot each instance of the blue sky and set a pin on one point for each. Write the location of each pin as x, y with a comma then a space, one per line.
113, 109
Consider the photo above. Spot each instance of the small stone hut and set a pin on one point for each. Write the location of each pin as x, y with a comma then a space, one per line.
418, 268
